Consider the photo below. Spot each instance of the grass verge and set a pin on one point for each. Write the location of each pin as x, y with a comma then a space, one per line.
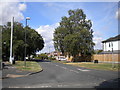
99, 66
30, 66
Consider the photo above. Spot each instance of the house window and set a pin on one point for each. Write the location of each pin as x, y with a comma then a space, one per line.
112, 44
109, 44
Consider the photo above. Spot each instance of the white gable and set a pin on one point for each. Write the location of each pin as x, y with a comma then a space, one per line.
107, 46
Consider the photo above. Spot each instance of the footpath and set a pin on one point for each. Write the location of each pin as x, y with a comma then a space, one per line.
9, 71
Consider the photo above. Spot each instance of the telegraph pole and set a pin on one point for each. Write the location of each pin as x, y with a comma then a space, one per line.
113, 66
49, 49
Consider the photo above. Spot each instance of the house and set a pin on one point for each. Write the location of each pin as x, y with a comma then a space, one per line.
111, 45
111, 51
58, 55
54, 54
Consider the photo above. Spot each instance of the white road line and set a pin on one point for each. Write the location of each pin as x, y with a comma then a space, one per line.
46, 86
60, 66
56, 65
62, 85
64, 67
13, 87
82, 69
74, 71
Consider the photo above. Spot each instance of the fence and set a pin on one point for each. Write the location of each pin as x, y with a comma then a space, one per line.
107, 57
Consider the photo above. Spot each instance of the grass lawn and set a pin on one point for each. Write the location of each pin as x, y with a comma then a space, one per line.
30, 66
99, 66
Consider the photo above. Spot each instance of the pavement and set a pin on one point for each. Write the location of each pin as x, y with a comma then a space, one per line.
10, 71
57, 75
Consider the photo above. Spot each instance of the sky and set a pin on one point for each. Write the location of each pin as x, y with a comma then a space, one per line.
45, 17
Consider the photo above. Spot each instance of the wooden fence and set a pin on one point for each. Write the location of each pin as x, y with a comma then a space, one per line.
107, 57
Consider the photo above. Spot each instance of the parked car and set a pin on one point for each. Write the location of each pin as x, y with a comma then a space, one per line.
61, 58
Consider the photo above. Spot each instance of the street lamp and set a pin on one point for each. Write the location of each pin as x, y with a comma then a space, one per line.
27, 18
4, 56
11, 41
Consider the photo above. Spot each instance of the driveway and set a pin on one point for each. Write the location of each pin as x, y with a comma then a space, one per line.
57, 75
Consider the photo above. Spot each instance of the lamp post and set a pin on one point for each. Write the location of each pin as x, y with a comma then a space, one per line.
112, 56
27, 18
11, 58
4, 56
49, 49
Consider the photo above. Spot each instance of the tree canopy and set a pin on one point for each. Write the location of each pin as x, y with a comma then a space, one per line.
74, 35
34, 41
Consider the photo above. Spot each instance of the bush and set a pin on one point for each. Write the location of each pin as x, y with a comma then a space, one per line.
52, 58
42, 57
37, 57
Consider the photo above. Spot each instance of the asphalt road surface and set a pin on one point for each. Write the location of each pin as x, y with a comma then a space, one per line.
57, 75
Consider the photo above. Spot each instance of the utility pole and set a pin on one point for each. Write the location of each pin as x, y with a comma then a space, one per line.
49, 49
112, 56
27, 18
11, 58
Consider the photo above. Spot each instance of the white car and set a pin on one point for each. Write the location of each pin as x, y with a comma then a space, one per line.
62, 58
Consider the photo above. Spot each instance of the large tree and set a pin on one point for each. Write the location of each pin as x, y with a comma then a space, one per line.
34, 41
74, 35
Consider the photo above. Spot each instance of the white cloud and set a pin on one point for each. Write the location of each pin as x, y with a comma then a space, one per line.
97, 39
22, 7
11, 9
47, 33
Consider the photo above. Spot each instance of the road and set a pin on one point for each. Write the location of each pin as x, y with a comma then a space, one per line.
57, 75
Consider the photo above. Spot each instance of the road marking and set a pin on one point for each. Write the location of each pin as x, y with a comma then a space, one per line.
64, 67
60, 66
82, 69
61, 85
56, 65
74, 71
13, 87
46, 86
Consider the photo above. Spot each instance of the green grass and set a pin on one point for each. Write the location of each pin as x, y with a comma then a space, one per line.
99, 66
30, 66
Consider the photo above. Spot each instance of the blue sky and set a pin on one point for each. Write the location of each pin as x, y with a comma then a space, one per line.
102, 14
44, 13
45, 17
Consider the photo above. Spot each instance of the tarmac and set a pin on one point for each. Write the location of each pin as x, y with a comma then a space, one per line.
9, 71
57, 75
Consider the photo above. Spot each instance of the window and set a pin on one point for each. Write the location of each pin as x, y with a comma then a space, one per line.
109, 44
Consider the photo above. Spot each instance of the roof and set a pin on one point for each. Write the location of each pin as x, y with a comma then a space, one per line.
116, 38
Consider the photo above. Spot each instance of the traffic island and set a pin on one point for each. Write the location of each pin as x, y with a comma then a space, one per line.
31, 66
19, 70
